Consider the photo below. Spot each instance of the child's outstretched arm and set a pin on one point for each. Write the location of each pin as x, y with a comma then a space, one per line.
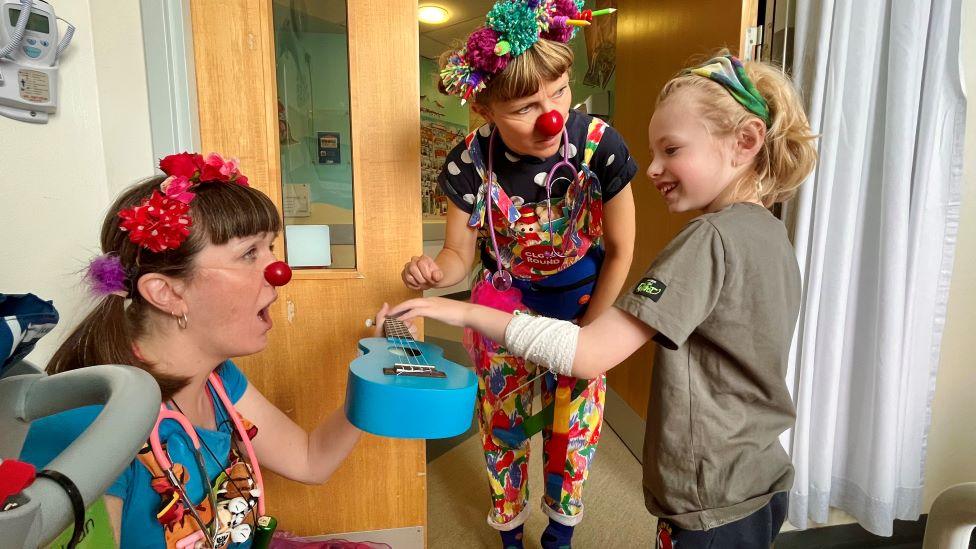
612, 337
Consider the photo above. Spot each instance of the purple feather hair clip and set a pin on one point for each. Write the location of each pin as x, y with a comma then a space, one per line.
107, 276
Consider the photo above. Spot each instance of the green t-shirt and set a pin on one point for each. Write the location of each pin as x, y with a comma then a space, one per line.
724, 297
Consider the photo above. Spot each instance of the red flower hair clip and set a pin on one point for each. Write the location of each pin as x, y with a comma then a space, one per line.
162, 221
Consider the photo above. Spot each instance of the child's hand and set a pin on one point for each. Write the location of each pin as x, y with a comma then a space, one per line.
449, 311
381, 317
421, 273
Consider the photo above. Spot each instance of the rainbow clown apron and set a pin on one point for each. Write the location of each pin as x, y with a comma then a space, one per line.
551, 249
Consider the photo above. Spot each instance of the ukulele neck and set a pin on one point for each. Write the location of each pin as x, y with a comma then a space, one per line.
396, 329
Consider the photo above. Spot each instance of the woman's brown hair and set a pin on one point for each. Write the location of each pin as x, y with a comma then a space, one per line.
220, 212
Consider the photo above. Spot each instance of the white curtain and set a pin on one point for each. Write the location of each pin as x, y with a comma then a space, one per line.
875, 234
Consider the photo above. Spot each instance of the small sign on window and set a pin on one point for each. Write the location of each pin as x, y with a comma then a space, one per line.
329, 148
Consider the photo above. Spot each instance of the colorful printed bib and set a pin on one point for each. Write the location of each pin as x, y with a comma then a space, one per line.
523, 230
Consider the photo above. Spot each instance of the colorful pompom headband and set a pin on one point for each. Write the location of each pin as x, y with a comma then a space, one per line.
511, 28
729, 72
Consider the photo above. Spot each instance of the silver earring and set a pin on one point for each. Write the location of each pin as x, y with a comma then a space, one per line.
181, 321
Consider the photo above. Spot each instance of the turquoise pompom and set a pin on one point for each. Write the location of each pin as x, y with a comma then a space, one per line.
516, 22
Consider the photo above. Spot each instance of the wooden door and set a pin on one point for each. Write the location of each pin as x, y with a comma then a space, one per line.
320, 315
655, 40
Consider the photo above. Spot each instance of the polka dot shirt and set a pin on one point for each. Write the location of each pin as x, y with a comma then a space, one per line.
524, 177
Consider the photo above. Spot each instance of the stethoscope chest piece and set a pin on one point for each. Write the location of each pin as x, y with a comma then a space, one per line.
501, 280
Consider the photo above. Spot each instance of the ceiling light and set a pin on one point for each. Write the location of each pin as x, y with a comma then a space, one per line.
432, 15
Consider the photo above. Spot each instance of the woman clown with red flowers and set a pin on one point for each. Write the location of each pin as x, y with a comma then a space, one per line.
185, 282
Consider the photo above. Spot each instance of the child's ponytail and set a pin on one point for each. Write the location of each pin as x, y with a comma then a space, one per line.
789, 154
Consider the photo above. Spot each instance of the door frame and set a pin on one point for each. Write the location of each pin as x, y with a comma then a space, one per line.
321, 314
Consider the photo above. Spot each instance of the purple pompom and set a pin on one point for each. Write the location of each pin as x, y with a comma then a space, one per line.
481, 52
563, 34
563, 7
106, 275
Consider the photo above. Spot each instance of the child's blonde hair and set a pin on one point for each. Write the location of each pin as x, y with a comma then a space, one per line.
788, 154
545, 61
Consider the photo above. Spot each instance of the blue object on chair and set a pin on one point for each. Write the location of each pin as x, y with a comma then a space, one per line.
25, 319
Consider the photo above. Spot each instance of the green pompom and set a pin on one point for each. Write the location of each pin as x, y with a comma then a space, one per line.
516, 22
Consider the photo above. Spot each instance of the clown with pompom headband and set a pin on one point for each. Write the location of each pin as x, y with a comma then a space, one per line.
541, 195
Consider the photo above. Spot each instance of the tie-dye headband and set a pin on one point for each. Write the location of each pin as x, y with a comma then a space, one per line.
729, 72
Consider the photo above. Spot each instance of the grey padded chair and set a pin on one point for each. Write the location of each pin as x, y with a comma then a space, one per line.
952, 518
93, 461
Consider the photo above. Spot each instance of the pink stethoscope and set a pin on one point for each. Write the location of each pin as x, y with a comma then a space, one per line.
277, 274
162, 458
548, 124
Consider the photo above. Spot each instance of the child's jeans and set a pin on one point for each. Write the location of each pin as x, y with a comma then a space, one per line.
757, 531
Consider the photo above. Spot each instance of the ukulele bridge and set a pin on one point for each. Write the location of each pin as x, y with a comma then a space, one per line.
415, 370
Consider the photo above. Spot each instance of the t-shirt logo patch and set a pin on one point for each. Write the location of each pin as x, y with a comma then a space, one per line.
650, 287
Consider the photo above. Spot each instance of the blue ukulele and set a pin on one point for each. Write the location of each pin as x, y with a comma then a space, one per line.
403, 388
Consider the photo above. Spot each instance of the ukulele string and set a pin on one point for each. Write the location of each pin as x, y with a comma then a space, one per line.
394, 333
411, 342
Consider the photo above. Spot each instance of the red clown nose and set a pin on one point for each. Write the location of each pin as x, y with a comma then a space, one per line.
277, 273
549, 124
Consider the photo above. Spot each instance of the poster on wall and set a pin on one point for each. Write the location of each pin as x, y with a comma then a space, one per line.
436, 140
329, 148
601, 53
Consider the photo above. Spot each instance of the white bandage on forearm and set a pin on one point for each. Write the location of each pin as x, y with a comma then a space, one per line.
545, 341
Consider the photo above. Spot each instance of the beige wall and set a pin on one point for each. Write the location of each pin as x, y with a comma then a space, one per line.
952, 438
57, 179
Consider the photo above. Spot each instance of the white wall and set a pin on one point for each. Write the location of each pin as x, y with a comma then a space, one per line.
56, 180
952, 438
120, 67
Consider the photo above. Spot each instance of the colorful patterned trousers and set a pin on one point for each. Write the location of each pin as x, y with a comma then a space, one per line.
570, 433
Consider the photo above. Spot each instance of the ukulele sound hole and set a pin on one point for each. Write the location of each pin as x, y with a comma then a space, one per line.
404, 351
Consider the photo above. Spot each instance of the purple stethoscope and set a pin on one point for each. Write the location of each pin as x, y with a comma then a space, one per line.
548, 124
